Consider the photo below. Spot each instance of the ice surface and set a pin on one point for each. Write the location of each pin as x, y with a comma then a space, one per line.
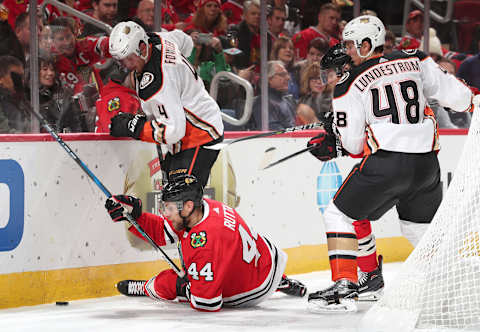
127, 314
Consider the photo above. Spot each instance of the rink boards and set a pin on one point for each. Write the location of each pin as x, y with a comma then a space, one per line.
57, 242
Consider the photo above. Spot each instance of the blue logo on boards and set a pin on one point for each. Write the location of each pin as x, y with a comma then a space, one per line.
11, 174
328, 181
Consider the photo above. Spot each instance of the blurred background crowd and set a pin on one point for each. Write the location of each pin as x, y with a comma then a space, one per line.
78, 81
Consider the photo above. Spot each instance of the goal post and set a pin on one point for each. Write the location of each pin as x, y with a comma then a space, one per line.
438, 286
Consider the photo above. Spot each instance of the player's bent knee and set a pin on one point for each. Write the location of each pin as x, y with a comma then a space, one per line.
163, 286
336, 221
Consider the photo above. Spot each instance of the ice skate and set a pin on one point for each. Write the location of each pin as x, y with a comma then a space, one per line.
370, 284
339, 297
292, 287
131, 287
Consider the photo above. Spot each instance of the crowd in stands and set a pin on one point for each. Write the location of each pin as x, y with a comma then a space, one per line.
75, 65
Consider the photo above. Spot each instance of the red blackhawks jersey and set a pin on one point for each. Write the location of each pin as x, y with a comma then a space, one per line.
302, 39
226, 261
88, 51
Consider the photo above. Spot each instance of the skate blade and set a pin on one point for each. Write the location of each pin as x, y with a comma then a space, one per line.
321, 307
370, 296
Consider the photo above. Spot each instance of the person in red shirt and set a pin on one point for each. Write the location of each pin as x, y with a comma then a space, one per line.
227, 263
327, 28
72, 53
233, 10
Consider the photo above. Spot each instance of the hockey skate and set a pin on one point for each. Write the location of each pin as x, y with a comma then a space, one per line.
292, 287
131, 287
370, 284
339, 297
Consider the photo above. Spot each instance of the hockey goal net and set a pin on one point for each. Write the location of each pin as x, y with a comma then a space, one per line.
438, 287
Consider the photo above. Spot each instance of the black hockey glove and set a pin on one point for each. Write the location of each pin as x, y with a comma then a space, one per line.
327, 147
183, 287
127, 125
118, 206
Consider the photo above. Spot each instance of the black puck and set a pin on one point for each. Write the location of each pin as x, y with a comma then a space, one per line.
61, 303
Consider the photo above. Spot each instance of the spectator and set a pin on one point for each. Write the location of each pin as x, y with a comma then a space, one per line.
283, 50
389, 42
22, 31
317, 91
73, 55
469, 69
105, 11
435, 46
10, 44
145, 15
208, 18
281, 107
327, 28
233, 10
293, 15
248, 32
14, 110
460, 120
57, 106
414, 27
316, 50
276, 22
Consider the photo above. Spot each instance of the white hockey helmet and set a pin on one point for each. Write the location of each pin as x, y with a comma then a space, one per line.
125, 39
365, 27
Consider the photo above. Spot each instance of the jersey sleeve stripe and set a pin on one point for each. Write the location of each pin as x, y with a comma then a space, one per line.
213, 304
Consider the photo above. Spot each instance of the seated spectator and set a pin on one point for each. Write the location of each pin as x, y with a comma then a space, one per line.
327, 28
293, 15
389, 42
208, 18
105, 11
458, 119
317, 92
469, 69
57, 106
233, 10
276, 18
281, 106
72, 55
10, 44
145, 15
283, 50
414, 27
14, 110
435, 46
248, 33
316, 50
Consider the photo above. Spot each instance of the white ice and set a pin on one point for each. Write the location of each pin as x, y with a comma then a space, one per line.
129, 314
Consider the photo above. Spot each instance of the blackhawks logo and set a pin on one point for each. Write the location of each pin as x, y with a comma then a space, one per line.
113, 104
198, 240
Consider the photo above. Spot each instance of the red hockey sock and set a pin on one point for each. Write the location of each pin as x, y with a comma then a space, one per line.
367, 249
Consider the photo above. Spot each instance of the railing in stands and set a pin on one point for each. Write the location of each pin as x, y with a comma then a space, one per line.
247, 110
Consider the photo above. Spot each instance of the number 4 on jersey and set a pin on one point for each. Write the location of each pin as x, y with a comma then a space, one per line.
205, 272
249, 245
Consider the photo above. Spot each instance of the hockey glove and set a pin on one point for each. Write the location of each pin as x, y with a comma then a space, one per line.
327, 147
183, 287
127, 125
118, 206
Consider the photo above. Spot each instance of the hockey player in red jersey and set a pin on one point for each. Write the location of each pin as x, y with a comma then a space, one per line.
380, 108
226, 262
178, 111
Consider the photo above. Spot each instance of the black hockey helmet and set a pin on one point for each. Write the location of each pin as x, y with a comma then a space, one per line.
336, 58
182, 188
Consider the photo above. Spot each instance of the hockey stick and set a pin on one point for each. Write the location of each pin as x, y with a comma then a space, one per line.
100, 185
309, 126
290, 156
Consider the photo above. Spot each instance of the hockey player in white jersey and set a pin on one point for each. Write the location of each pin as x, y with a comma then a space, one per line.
380, 110
178, 111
